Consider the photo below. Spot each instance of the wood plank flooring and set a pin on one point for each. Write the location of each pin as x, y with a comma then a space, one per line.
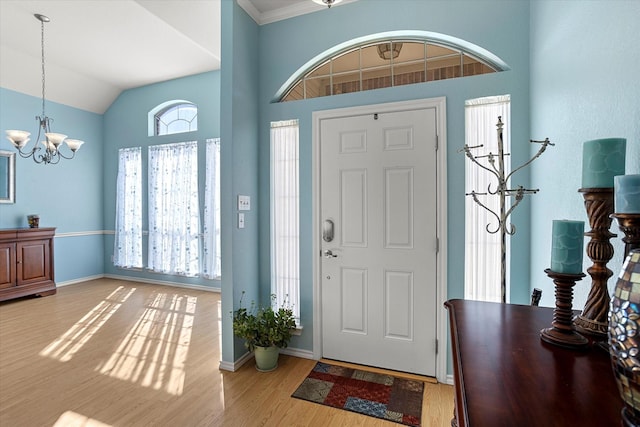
116, 353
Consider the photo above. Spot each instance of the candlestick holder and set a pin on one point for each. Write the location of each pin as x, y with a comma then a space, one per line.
629, 224
562, 331
593, 320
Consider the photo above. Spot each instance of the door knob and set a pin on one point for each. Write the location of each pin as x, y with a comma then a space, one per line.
328, 254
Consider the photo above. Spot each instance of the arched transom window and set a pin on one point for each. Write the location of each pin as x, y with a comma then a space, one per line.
175, 117
387, 63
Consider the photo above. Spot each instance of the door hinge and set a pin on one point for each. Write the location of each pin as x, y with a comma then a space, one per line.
437, 142
437, 244
436, 345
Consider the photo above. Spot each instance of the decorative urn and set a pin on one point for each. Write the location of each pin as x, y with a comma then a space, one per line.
624, 337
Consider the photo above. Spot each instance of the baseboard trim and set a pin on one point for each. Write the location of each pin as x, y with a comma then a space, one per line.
296, 352
234, 366
139, 280
82, 279
450, 379
162, 282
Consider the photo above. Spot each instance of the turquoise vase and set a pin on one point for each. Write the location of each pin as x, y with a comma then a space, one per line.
266, 358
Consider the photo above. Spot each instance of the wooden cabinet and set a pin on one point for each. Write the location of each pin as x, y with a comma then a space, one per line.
26, 262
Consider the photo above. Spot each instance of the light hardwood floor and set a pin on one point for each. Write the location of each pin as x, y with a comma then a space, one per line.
117, 353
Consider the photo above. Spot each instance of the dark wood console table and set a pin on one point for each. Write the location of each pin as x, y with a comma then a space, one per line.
506, 376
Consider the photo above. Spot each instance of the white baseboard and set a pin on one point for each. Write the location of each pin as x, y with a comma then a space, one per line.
234, 366
162, 282
303, 354
83, 279
139, 280
450, 379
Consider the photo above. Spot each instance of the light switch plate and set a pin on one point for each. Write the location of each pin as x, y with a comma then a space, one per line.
240, 220
244, 203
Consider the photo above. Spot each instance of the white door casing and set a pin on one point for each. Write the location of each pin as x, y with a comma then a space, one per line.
378, 299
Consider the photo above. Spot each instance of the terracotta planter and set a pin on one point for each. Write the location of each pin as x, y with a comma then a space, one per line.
266, 358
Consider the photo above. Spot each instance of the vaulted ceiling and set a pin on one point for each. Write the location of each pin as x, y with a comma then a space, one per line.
96, 49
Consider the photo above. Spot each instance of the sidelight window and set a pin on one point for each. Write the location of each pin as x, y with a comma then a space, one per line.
285, 216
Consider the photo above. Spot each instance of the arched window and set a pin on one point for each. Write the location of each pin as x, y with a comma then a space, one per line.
173, 117
388, 60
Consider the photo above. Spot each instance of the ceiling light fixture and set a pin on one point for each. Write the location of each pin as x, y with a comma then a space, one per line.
389, 50
52, 141
329, 3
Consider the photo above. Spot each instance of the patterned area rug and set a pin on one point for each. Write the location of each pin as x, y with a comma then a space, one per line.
377, 395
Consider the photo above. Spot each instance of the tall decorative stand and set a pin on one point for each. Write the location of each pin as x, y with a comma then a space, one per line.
593, 320
562, 331
629, 224
503, 191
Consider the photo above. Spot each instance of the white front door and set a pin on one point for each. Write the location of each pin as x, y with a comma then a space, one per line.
378, 272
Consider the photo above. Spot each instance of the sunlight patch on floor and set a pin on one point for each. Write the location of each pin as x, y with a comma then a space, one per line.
73, 419
154, 351
64, 347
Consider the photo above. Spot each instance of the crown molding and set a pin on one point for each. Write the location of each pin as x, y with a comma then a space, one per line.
283, 13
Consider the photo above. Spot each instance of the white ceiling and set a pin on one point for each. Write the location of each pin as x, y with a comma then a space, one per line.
95, 49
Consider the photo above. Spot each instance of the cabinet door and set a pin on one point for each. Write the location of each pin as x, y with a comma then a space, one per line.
34, 263
7, 265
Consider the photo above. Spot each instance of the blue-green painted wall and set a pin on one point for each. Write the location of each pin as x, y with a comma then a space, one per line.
125, 125
239, 167
584, 85
501, 27
68, 195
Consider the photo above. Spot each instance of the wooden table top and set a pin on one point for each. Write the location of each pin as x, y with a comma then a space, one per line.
506, 376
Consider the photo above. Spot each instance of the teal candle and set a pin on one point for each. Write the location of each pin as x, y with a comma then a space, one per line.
627, 194
567, 241
602, 159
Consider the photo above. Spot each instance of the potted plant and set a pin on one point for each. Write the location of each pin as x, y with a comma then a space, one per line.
265, 330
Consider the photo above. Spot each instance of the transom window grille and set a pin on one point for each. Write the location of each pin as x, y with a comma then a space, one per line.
176, 118
386, 64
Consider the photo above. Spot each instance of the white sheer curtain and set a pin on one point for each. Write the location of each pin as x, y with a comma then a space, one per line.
285, 218
482, 249
127, 250
174, 218
211, 230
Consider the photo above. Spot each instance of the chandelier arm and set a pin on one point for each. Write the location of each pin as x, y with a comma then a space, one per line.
42, 157
54, 159
28, 154
59, 153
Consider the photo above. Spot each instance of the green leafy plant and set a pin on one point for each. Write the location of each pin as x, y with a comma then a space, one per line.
263, 326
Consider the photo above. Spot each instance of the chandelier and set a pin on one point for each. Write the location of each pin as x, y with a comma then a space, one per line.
329, 3
52, 141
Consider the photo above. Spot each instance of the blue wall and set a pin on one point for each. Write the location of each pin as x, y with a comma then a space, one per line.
68, 195
239, 167
584, 85
497, 26
125, 125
